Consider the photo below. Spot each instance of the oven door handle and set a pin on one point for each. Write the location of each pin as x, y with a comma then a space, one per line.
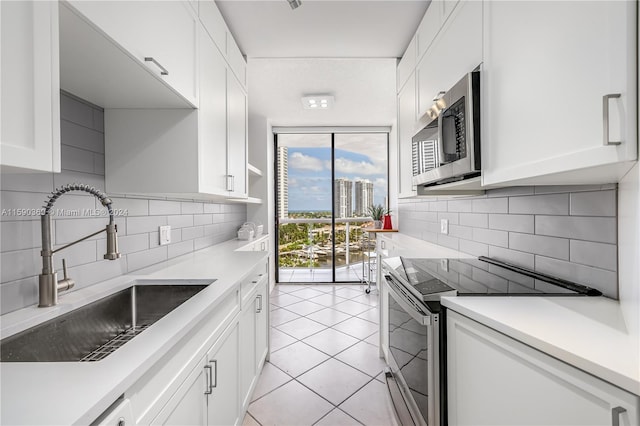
415, 312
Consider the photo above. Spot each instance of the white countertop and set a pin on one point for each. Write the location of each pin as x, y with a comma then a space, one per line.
587, 332
66, 393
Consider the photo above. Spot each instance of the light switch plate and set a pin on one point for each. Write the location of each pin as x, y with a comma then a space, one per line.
444, 226
165, 235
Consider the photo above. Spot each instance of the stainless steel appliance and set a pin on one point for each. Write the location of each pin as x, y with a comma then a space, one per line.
416, 320
447, 149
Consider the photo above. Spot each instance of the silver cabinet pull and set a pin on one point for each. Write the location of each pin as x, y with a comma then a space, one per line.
163, 70
382, 244
262, 246
214, 382
230, 183
259, 299
207, 375
615, 415
605, 118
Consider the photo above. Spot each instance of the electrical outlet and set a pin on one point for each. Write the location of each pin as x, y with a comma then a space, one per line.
444, 226
165, 235
444, 265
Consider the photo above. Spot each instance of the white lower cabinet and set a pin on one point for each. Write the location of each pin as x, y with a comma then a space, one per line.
496, 380
253, 342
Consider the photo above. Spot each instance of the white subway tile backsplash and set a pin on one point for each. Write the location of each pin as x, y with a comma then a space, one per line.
451, 217
180, 221
92, 273
68, 176
20, 235
476, 220
605, 281
192, 208
600, 203
491, 237
538, 244
212, 208
146, 258
490, 205
458, 231
180, 248
474, 248
438, 206
81, 137
447, 241
68, 231
553, 204
600, 229
27, 182
132, 206
599, 255
459, 206
98, 120
202, 219
78, 254
76, 159
20, 264
133, 243
143, 224
77, 112
17, 294
512, 222
511, 191
21, 205
193, 232
162, 207
518, 258
98, 164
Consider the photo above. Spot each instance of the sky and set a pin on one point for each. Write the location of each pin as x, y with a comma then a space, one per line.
357, 156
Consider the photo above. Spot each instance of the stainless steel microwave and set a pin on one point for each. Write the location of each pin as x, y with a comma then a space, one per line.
447, 149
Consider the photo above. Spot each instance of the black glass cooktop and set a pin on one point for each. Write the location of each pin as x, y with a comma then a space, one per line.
434, 278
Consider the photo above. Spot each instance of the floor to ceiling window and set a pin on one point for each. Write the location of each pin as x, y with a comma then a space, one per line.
325, 184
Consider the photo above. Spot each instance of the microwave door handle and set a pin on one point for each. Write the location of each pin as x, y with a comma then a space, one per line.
440, 144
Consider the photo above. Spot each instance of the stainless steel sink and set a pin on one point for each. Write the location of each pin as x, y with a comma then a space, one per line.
94, 331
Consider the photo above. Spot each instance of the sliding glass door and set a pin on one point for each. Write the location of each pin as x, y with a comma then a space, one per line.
325, 184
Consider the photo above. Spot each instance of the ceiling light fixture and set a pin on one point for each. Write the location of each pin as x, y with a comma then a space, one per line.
315, 101
294, 3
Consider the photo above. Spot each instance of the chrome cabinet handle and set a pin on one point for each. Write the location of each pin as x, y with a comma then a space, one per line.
163, 70
615, 415
214, 383
230, 183
605, 118
383, 245
259, 299
262, 246
207, 375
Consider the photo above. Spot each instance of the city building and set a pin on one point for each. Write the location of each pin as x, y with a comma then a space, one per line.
343, 197
364, 196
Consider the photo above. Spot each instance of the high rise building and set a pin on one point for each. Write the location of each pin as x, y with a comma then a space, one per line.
283, 182
364, 196
343, 197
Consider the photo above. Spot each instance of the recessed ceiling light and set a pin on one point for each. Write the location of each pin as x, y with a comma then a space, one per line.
313, 101
294, 3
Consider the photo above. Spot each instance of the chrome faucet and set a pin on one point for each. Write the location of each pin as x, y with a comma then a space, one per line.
49, 286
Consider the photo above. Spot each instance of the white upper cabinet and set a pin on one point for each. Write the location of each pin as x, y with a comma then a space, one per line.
176, 152
456, 50
406, 130
555, 75
237, 137
214, 24
407, 64
160, 35
429, 27
30, 87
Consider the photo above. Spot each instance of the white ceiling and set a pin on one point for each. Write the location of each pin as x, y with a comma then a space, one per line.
364, 91
323, 28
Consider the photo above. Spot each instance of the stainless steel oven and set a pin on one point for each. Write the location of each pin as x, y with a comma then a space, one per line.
447, 149
416, 322
413, 375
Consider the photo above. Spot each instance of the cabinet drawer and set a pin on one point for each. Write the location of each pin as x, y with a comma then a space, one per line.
155, 388
119, 414
248, 286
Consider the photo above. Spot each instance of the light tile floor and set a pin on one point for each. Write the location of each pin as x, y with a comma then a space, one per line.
324, 368
351, 273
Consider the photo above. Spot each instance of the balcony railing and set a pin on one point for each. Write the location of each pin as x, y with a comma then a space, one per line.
307, 243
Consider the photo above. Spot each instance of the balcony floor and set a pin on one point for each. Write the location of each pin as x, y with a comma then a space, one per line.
350, 273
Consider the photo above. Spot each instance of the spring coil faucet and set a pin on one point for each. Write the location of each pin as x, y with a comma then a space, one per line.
48, 283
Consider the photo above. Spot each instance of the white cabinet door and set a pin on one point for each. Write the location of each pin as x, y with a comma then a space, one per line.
496, 380
247, 350
223, 407
166, 31
214, 24
189, 404
406, 130
429, 27
29, 86
212, 114
407, 64
262, 324
547, 67
237, 136
456, 51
